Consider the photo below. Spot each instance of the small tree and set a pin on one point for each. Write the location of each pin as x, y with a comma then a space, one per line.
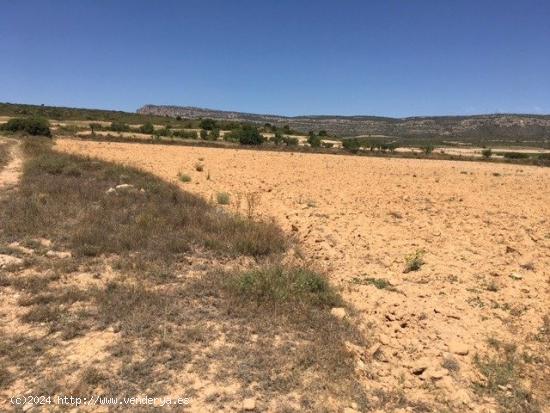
249, 135
427, 149
314, 140
290, 141
203, 134
214, 134
277, 139
352, 145
208, 124
33, 126
147, 128
487, 153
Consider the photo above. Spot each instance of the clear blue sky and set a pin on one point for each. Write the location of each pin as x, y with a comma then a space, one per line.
385, 57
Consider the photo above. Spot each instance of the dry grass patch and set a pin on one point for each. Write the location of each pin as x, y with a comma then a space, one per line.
4, 153
503, 371
267, 329
65, 198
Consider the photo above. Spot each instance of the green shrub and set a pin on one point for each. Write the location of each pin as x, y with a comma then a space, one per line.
413, 262
119, 127
249, 135
185, 134
203, 134
352, 145
95, 126
515, 155
290, 141
277, 139
487, 153
214, 135
208, 124
184, 178
280, 285
147, 128
35, 126
231, 136
427, 149
222, 198
314, 140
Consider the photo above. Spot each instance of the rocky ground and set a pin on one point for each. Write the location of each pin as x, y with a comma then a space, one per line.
446, 262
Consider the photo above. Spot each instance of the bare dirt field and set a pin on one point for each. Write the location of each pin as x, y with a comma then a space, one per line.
480, 233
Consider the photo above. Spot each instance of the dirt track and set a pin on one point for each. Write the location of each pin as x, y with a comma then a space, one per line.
485, 230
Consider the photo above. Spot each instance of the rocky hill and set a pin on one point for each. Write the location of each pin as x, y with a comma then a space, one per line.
522, 128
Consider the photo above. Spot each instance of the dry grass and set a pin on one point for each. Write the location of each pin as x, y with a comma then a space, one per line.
64, 197
503, 372
4, 153
279, 338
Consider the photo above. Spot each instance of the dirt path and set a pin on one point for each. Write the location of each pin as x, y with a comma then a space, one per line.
10, 174
483, 230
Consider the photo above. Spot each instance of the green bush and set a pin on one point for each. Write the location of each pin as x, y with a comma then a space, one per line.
184, 178
231, 136
277, 139
280, 285
290, 141
208, 124
214, 134
487, 153
35, 126
222, 198
185, 134
413, 262
119, 127
203, 134
246, 135
515, 155
147, 128
314, 140
352, 145
427, 149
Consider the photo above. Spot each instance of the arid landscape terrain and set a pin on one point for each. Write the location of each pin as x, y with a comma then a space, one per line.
275, 206
480, 234
260, 278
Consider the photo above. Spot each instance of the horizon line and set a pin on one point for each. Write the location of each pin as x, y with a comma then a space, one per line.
285, 116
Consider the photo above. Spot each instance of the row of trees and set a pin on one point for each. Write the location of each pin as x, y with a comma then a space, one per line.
34, 125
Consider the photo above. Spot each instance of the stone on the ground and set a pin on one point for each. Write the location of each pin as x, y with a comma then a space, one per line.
59, 254
419, 366
338, 312
458, 347
21, 248
249, 404
44, 242
8, 261
437, 374
123, 187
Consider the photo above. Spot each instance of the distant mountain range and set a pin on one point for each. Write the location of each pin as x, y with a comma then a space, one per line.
506, 127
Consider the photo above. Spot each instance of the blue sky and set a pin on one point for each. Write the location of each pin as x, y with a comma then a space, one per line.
387, 57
